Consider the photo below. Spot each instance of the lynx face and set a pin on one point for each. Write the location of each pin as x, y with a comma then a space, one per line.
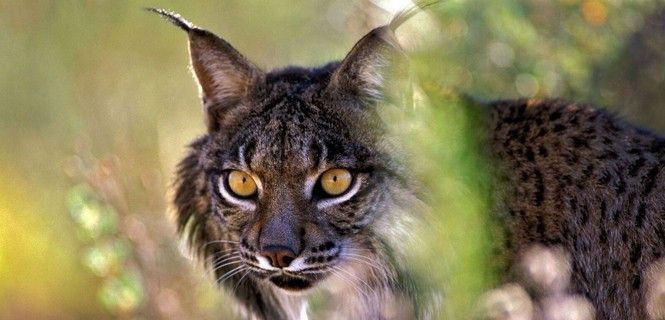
290, 185
296, 180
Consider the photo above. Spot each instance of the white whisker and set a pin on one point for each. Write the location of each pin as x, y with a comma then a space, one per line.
221, 257
226, 263
230, 273
378, 268
239, 281
354, 276
203, 246
350, 282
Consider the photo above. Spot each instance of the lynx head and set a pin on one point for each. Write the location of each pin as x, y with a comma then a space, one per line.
291, 183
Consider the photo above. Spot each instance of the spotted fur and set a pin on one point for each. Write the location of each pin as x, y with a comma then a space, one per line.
582, 178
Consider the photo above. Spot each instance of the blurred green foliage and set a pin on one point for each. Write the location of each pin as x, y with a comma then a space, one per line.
457, 185
107, 253
98, 106
93, 218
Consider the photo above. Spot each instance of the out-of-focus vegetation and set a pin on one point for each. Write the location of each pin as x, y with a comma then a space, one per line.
97, 106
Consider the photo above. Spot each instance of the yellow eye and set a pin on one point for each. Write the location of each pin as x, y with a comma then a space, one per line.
336, 181
241, 183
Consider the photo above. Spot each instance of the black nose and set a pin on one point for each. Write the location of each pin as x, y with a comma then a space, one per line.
279, 256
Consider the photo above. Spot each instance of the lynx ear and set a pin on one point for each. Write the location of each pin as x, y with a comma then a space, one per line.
225, 76
363, 71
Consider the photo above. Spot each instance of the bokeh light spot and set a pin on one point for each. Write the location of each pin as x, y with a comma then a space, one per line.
526, 85
501, 54
594, 12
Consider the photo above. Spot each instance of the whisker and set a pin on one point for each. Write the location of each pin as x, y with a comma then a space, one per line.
368, 255
222, 241
358, 255
314, 271
229, 274
354, 276
225, 261
239, 281
350, 282
222, 257
217, 267
215, 260
316, 268
201, 247
358, 250
225, 251
366, 292
352, 254
226, 256
382, 272
365, 261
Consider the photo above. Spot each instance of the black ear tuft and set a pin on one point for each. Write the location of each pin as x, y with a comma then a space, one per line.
224, 75
174, 18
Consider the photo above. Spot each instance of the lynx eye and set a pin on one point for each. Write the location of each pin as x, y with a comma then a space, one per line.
335, 181
241, 183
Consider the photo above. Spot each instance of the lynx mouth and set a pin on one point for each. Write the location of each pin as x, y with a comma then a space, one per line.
290, 283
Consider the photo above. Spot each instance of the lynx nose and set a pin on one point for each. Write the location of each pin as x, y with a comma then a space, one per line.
279, 256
